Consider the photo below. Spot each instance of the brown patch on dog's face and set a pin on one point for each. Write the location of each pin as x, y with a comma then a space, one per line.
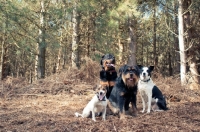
130, 76
108, 62
101, 91
101, 88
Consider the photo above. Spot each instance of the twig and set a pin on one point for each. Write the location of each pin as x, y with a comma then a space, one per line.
114, 127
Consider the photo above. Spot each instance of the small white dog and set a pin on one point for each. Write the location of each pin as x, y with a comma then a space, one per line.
96, 105
155, 99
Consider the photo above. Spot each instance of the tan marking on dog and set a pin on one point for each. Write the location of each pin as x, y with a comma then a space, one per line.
125, 78
111, 83
122, 115
109, 61
104, 83
112, 108
134, 110
122, 94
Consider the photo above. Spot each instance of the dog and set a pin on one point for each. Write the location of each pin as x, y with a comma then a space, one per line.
108, 73
124, 92
154, 97
97, 105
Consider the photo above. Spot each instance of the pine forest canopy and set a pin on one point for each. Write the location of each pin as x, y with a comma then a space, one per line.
41, 37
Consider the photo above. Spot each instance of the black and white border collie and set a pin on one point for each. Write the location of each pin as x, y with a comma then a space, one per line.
149, 92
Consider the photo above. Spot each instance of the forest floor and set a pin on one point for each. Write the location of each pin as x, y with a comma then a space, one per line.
50, 104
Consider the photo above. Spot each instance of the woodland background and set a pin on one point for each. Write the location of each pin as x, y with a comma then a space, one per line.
42, 37
50, 61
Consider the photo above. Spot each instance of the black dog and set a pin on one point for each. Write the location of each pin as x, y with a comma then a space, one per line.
124, 92
108, 73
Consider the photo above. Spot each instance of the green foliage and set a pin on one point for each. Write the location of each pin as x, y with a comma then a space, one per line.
102, 25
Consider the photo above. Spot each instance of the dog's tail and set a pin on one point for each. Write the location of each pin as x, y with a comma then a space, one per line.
78, 114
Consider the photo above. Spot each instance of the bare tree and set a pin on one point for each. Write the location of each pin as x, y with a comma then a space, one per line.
75, 38
181, 43
132, 42
40, 58
191, 51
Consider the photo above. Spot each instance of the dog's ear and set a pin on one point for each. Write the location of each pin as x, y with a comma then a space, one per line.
139, 66
113, 60
122, 69
151, 68
101, 62
95, 87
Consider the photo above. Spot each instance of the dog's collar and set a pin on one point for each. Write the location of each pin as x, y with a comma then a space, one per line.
104, 98
146, 80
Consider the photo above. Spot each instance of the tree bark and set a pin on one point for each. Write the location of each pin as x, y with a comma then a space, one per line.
41, 45
181, 43
154, 36
4, 66
132, 42
191, 52
75, 38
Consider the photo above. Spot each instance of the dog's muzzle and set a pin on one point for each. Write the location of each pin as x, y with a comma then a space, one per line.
101, 96
110, 65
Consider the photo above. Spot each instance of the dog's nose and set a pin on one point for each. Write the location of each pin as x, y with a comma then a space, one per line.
144, 74
101, 93
131, 74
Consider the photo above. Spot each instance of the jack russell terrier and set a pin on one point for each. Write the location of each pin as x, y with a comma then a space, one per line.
96, 105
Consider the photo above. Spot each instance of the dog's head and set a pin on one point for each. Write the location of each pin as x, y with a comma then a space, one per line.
129, 75
108, 62
145, 72
101, 92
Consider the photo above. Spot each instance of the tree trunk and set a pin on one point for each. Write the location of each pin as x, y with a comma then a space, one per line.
120, 44
132, 42
154, 36
4, 60
191, 53
41, 44
58, 63
176, 44
181, 44
4, 66
121, 49
75, 40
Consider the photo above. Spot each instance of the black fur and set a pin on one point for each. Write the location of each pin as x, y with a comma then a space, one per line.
128, 95
108, 76
122, 95
156, 93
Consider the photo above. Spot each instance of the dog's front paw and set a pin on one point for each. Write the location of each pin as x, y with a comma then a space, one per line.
76, 114
142, 111
122, 116
94, 120
148, 111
